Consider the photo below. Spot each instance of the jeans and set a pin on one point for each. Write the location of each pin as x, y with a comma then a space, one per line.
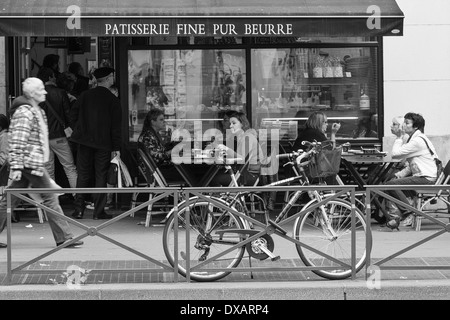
92, 163
403, 195
60, 227
61, 148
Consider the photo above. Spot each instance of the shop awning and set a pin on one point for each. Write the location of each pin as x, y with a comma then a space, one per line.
280, 18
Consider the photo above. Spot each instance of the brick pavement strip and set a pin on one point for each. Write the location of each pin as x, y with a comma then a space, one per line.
238, 285
140, 271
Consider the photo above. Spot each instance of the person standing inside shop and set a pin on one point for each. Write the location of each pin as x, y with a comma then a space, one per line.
97, 131
57, 108
28, 151
51, 61
82, 82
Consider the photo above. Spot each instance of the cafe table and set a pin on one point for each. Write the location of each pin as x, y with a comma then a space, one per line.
366, 168
205, 164
362, 168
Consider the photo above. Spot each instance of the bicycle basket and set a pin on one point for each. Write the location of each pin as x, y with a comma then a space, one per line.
324, 163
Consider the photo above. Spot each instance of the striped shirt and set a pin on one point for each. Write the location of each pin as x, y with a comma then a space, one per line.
27, 140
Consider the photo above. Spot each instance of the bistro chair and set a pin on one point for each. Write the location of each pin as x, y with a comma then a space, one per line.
153, 178
426, 198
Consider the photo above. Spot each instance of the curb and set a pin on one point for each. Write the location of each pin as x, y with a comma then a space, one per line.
317, 290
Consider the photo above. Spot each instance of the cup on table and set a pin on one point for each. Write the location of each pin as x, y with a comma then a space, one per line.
212, 153
346, 147
220, 154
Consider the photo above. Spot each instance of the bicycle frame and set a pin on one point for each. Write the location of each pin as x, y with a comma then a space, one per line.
226, 219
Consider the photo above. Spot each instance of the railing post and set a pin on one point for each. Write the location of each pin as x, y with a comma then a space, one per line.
353, 213
8, 239
368, 214
188, 227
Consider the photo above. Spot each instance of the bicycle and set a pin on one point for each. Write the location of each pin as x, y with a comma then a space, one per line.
221, 229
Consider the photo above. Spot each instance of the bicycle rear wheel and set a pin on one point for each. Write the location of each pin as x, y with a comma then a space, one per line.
208, 236
311, 230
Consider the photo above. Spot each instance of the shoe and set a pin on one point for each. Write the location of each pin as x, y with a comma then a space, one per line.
77, 214
103, 216
408, 221
393, 223
3, 245
72, 245
91, 206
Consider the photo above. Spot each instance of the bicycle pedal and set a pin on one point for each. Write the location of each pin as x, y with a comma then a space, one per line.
275, 258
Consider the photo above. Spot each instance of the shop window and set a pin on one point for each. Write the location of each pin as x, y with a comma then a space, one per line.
288, 84
193, 87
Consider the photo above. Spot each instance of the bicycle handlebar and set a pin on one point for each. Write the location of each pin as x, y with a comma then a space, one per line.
288, 155
299, 155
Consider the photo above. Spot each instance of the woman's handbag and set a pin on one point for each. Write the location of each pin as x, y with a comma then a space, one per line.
324, 163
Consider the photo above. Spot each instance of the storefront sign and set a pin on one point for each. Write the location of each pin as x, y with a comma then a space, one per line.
285, 18
199, 29
204, 27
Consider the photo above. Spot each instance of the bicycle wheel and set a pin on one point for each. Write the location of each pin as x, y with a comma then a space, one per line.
310, 229
208, 237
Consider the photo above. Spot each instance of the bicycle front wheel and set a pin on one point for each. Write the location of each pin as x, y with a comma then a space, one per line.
333, 238
210, 233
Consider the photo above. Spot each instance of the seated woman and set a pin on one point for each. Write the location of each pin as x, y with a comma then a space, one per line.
151, 139
315, 131
241, 143
420, 169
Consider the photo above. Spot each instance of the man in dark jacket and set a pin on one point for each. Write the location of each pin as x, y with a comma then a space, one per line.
57, 109
97, 118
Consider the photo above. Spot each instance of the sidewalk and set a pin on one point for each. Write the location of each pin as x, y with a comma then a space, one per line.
97, 257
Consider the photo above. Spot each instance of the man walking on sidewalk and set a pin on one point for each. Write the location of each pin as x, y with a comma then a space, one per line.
28, 152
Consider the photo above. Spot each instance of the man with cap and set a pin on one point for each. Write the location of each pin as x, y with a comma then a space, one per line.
97, 117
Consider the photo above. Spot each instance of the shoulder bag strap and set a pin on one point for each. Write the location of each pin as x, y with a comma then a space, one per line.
432, 153
55, 114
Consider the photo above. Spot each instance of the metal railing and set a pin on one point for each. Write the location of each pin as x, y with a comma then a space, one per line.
186, 193
89, 230
380, 191
268, 229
